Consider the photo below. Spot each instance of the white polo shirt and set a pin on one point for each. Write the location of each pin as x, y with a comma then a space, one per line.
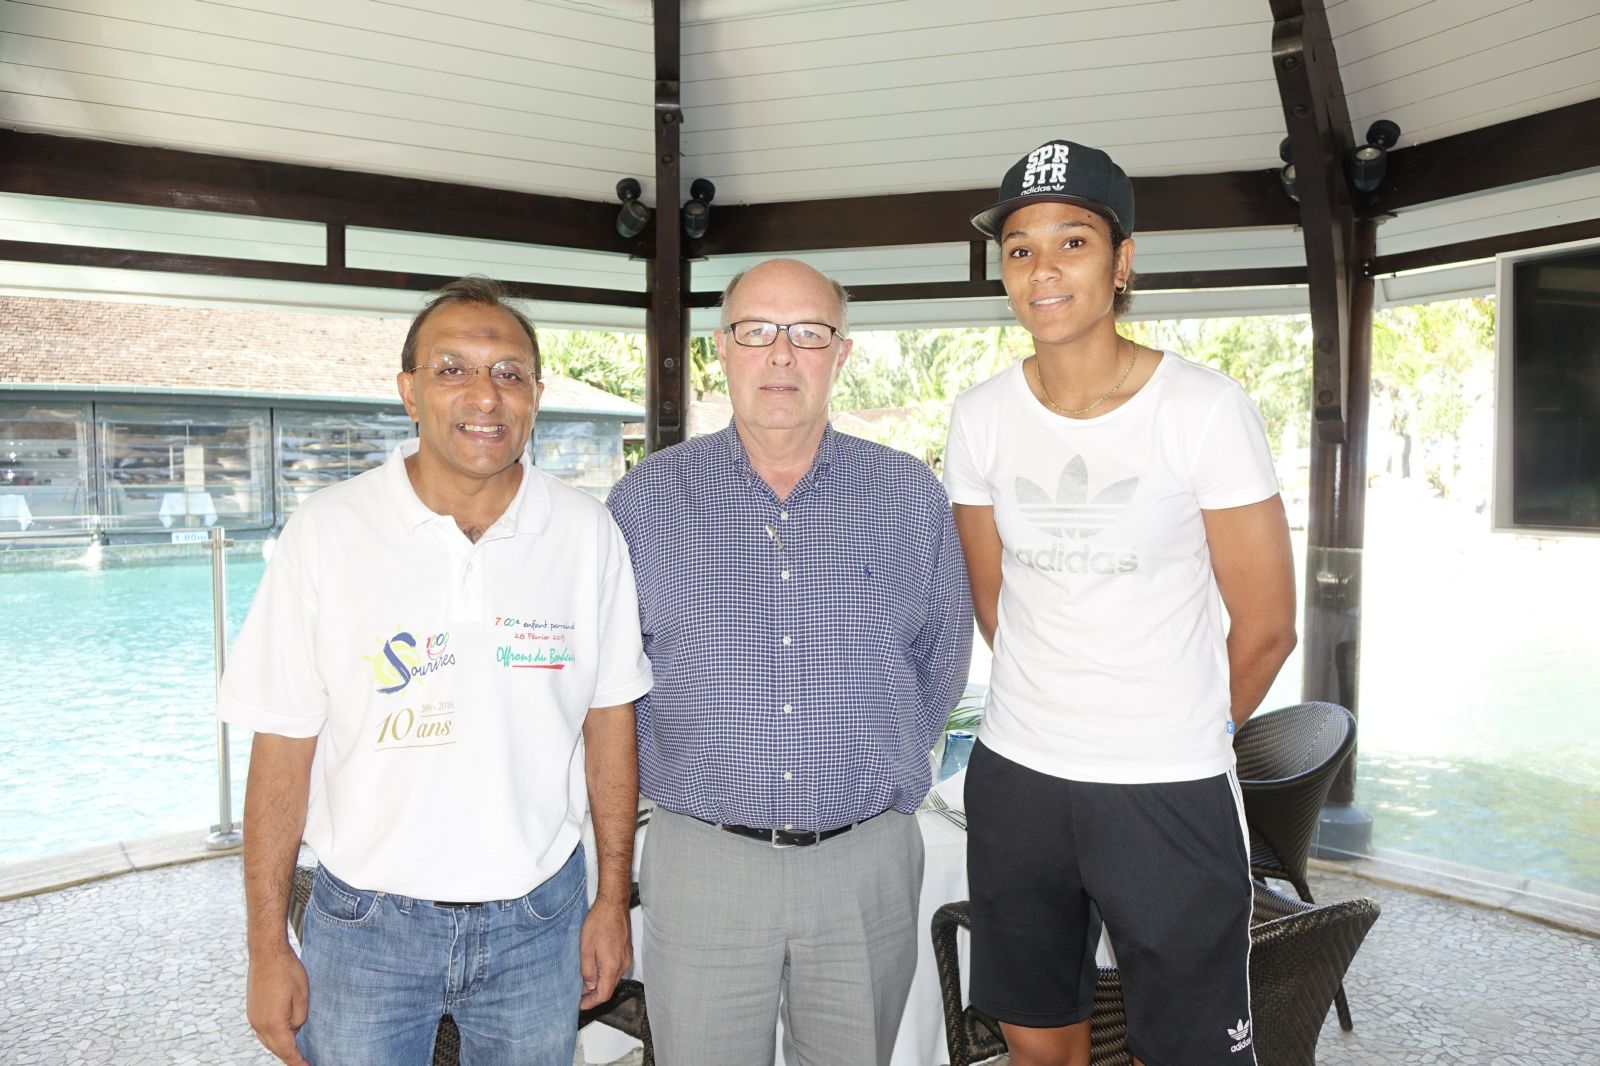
447, 682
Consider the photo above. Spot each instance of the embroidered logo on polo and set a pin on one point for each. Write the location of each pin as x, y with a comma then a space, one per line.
1046, 170
1073, 514
539, 644
1239, 1033
402, 659
428, 725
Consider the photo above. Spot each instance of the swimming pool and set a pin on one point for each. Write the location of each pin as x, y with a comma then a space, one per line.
1480, 703
108, 708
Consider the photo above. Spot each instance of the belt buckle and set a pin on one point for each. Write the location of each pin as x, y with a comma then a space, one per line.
779, 845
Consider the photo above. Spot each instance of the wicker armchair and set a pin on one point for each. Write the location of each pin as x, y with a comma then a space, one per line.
973, 1036
625, 1010
1299, 953
1287, 760
1298, 956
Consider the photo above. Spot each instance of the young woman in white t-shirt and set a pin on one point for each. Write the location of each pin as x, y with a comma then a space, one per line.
1111, 501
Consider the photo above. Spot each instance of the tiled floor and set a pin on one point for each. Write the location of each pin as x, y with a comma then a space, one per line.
148, 968
1444, 982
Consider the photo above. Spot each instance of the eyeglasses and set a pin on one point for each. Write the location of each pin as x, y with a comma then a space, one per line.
512, 375
753, 333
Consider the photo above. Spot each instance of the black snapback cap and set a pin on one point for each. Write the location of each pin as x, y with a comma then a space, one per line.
1062, 172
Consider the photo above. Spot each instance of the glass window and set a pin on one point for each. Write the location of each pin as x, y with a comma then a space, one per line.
318, 448
44, 467
181, 467
585, 454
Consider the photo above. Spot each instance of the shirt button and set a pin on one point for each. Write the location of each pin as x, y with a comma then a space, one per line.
469, 567
787, 776
784, 575
783, 516
787, 641
788, 825
788, 708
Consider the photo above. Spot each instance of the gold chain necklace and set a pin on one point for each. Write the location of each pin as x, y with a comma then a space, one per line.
1038, 369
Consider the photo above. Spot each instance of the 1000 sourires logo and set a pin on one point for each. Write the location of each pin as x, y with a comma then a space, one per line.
1073, 515
402, 659
427, 725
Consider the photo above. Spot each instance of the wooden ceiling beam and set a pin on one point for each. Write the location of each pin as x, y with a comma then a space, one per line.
1236, 199
46, 165
1240, 278
1560, 141
312, 273
1481, 248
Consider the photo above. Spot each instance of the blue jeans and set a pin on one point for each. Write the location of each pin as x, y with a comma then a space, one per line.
383, 968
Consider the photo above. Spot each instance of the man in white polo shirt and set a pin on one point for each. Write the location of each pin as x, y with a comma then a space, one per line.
424, 653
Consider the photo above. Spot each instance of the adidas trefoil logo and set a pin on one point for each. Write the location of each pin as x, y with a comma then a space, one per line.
1072, 513
1239, 1033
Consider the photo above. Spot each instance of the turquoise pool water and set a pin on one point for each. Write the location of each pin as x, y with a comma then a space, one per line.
1480, 701
107, 713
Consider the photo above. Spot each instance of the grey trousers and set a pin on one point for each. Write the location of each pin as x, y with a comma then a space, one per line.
737, 932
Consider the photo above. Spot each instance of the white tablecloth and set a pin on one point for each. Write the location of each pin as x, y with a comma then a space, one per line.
181, 504
15, 508
921, 1039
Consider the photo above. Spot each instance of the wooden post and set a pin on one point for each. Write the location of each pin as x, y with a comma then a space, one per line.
1335, 543
1318, 122
666, 328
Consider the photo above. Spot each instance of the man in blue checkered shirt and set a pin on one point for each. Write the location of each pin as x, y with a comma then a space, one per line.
806, 611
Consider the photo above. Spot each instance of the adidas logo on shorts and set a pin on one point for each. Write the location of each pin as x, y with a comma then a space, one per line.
1239, 1033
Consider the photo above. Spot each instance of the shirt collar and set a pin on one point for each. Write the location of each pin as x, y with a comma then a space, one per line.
827, 451
528, 511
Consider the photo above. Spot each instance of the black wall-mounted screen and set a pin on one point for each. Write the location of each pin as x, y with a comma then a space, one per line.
1555, 392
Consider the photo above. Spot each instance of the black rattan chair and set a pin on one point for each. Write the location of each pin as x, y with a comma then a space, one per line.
625, 1010
1298, 955
972, 1036
1287, 760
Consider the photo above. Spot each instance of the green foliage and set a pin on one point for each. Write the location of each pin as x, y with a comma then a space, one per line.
966, 714
1432, 368
613, 362
1432, 372
920, 372
1270, 357
706, 367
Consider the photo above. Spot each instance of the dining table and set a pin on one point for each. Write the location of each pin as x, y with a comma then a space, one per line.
15, 508
175, 505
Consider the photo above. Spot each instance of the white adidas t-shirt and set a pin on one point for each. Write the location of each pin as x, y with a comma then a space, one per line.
447, 682
1110, 661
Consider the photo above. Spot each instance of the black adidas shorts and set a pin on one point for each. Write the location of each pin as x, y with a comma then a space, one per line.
1164, 866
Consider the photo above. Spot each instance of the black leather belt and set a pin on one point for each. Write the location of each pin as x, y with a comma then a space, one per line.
452, 905
785, 838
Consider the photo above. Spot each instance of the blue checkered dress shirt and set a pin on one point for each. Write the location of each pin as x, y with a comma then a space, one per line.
806, 651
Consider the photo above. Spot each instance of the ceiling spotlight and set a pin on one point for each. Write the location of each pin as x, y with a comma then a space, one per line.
697, 212
1368, 162
1287, 175
634, 216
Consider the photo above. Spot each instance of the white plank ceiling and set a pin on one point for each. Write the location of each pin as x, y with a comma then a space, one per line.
783, 100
